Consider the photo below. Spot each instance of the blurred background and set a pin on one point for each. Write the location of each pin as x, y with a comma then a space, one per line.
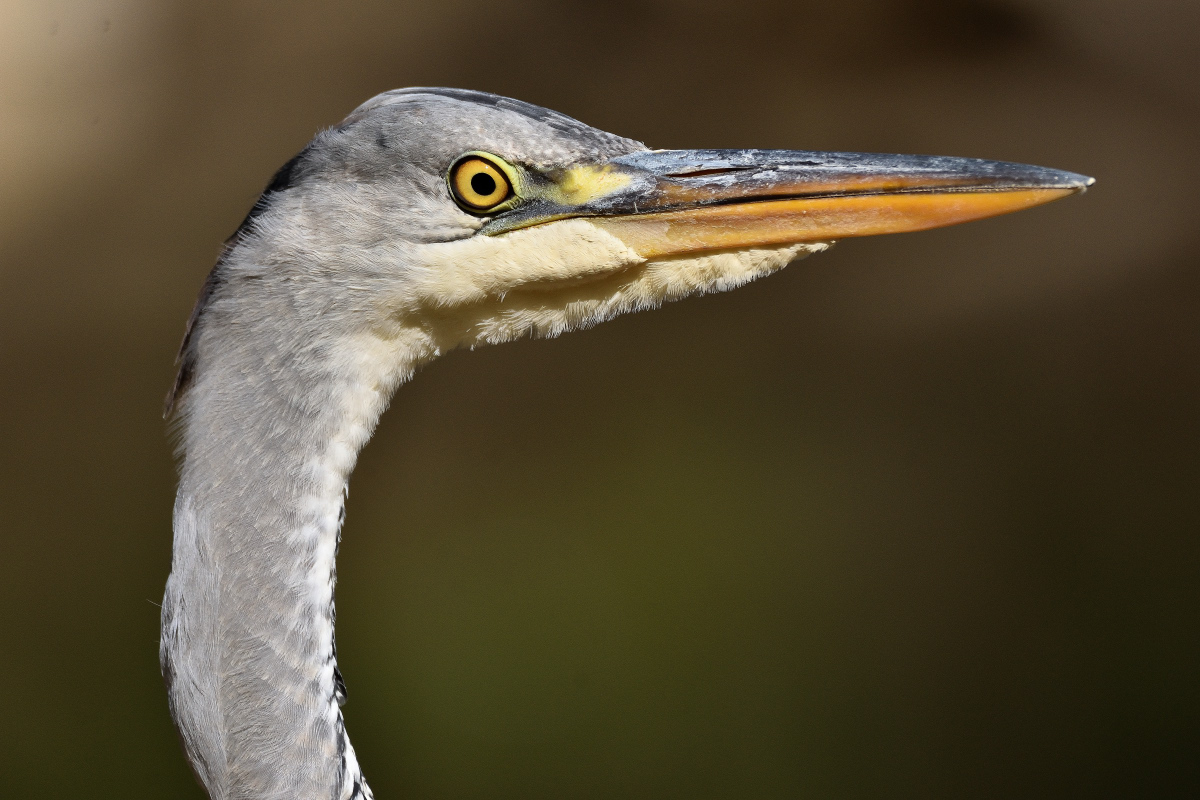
917, 517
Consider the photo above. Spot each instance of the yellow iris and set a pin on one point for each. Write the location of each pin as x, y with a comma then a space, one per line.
478, 184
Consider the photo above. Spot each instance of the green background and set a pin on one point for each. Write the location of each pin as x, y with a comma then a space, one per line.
917, 517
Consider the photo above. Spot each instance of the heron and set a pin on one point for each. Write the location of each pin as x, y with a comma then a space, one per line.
432, 219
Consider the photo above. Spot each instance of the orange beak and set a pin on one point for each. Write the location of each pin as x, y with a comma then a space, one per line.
675, 202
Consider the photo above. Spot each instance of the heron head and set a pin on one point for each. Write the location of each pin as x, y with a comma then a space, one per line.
474, 218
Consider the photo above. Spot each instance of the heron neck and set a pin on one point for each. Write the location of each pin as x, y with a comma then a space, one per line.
270, 439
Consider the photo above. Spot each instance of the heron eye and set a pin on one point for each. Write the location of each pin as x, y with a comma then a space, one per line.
479, 185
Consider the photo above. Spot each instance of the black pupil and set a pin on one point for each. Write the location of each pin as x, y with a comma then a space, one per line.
483, 184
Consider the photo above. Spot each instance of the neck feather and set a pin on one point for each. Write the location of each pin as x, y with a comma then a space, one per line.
269, 438
285, 378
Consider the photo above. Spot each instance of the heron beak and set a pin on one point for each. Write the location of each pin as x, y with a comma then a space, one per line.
676, 202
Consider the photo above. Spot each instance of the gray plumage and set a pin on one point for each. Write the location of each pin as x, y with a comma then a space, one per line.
266, 385
355, 267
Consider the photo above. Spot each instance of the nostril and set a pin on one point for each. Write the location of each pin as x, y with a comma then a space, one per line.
702, 172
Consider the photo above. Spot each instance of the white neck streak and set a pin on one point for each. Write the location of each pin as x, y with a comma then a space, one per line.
248, 646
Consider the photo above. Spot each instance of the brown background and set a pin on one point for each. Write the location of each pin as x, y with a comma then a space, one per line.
917, 517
